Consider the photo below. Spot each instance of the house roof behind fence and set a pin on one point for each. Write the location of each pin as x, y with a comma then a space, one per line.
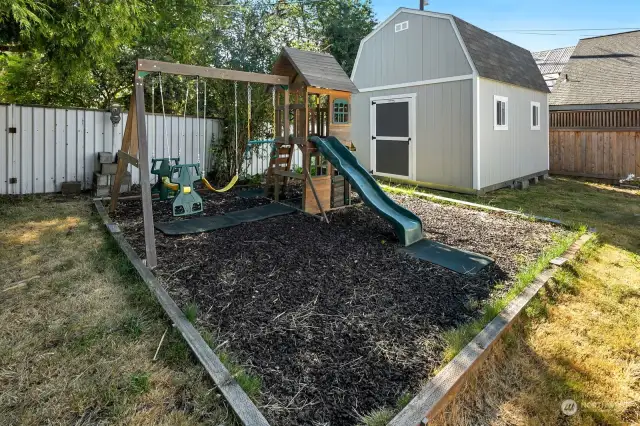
601, 70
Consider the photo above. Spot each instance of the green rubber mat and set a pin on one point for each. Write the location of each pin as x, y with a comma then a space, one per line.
457, 260
196, 225
211, 223
262, 212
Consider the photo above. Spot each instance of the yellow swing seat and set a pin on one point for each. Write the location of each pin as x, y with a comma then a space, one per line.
167, 183
230, 185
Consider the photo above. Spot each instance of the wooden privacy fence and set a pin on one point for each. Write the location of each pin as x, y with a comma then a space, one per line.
596, 144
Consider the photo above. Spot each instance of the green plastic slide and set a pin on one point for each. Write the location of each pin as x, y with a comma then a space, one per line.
407, 225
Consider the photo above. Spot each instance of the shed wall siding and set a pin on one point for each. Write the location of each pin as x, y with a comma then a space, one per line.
518, 151
429, 49
444, 131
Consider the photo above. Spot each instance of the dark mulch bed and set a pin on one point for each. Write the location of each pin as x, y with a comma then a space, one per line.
330, 316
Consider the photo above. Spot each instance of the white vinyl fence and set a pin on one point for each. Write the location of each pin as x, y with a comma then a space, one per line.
54, 145
257, 157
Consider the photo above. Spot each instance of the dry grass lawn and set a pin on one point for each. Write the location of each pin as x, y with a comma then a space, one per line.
78, 331
581, 338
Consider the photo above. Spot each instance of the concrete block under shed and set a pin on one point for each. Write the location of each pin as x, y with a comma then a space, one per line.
105, 157
105, 190
70, 188
533, 180
100, 179
522, 184
108, 168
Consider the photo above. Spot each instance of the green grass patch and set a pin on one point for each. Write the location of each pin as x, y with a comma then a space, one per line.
139, 383
191, 312
382, 416
458, 338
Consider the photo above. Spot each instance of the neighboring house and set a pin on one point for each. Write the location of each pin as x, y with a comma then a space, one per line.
552, 62
442, 103
595, 109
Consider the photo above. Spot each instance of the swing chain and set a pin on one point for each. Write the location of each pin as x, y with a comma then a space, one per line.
235, 97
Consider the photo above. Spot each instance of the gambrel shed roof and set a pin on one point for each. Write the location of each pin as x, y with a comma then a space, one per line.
490, 56
498, 59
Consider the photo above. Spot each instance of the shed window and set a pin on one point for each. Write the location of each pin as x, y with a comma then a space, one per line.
402, 26
340, 111
535, 115
500, 113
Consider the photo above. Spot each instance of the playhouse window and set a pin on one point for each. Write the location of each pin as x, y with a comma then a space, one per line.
535, 115
500, 113
340, 111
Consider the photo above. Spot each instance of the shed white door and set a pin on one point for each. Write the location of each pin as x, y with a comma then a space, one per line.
393, 136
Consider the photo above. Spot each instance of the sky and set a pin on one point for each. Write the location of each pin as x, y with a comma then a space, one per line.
542, 15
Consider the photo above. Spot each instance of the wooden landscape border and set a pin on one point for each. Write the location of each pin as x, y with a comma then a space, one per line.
438, 391
431, 398
239, 401
478, 206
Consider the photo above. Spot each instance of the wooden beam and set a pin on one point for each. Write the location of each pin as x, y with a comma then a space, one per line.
145, 184
315, 194
210, 72
125, 146
239, 401
289, 174
336, 93
127, 158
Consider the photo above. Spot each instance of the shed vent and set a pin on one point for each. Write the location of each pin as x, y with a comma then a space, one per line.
402, 26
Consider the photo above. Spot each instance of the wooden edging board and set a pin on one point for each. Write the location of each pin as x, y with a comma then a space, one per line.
441, 388
474, 205
239, 401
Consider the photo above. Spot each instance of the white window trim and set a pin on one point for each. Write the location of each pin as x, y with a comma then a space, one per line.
504, 99
401, 26
534, 104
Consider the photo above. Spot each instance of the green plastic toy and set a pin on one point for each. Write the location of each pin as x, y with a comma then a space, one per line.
187, 201
163, 171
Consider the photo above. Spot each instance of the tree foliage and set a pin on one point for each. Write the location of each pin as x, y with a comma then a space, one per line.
82, 53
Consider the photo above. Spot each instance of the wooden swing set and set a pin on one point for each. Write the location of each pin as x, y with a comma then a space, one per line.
135, 145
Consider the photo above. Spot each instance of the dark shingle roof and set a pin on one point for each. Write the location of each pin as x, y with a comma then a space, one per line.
500, 60
316, 69
601, 70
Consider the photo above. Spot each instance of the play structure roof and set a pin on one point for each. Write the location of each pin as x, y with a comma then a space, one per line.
316, 69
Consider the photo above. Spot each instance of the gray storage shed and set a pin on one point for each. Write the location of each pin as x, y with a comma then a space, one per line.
444, 104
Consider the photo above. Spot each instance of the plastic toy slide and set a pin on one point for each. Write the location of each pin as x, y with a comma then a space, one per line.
407, 225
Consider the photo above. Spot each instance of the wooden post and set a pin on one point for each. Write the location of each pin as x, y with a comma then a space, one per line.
130, 131
286, 126
145, 184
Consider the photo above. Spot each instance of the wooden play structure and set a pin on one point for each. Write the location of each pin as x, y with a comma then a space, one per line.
312, 97
317, 102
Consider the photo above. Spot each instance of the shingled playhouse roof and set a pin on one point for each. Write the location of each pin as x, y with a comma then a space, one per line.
317, 69
498, 59
601, 70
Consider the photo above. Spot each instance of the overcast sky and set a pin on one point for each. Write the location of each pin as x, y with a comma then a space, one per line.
523, 15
